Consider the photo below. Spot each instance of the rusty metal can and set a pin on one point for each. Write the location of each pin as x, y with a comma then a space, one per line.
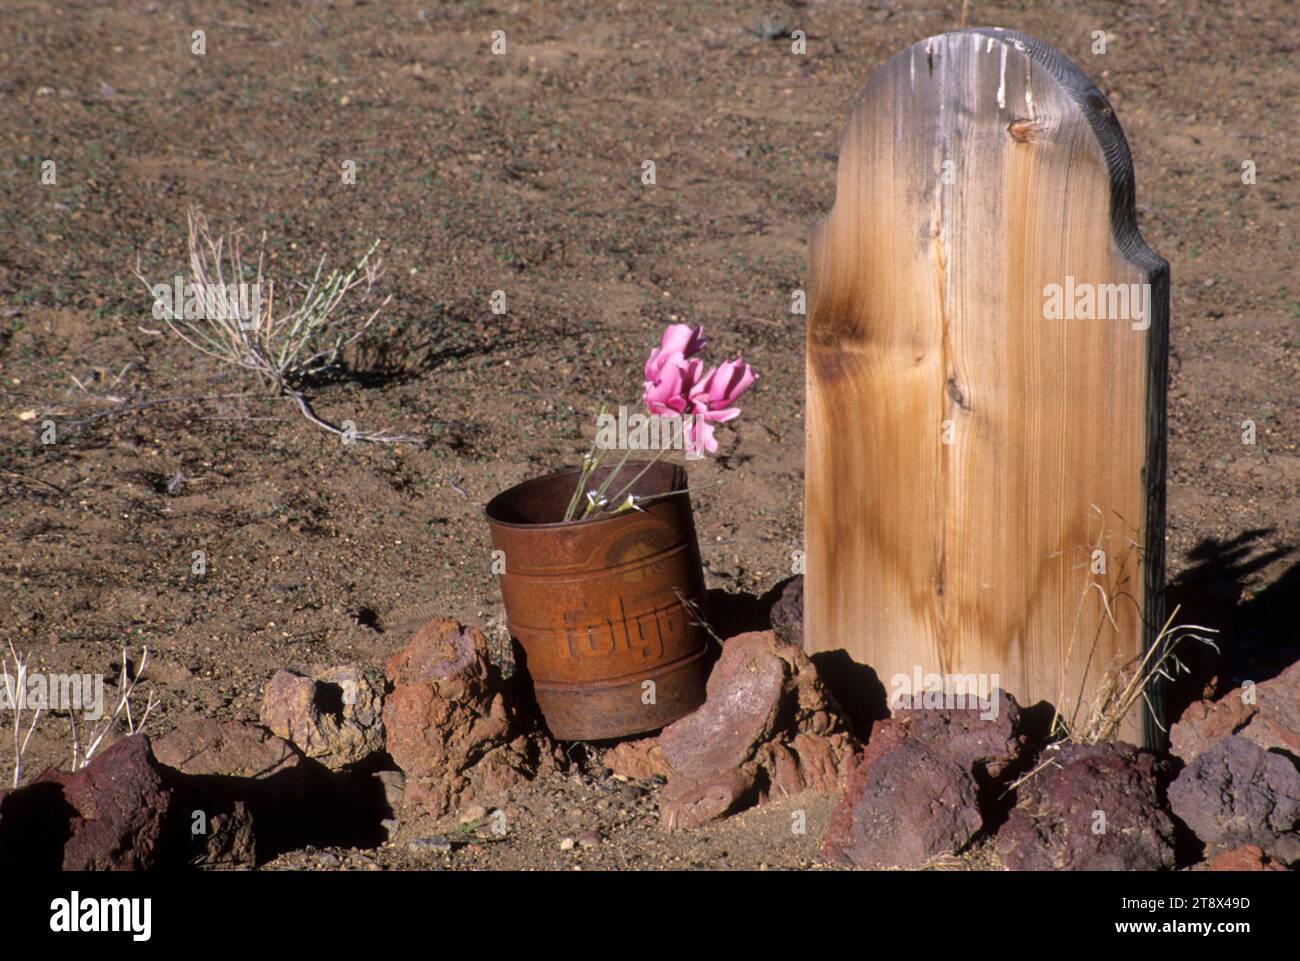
601, 607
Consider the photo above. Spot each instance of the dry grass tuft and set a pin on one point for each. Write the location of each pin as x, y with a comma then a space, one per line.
15, 684
240, 324
1120, 691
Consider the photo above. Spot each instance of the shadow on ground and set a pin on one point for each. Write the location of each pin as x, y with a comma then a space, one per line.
1257, 636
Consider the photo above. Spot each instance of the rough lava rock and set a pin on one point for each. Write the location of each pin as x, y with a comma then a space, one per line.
1267, 714
1206, 723
206, 746
639, 760
1237, 793
446, 708
904, 805
768, 726
743, 698
914, 792
989, 745
1095, 807
121, 807
108, 816
692, 802
247, 781
335, 716
448, 724
1248, 857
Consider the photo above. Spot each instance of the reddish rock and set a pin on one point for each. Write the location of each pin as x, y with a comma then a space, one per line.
1206, 723
118, 808
255, 790
505, 767
206, 746
1237, 793
1092, 808
914, 791
434, 795
446, 707
639, 760
903, 806
447, 722
335, 716
986, 740
213, 764
1267, 714
767, 726
1248, 857
743, 697
808, 762
688, 803
1276, 724
815, 748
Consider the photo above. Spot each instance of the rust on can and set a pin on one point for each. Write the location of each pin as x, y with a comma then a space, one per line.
604, 605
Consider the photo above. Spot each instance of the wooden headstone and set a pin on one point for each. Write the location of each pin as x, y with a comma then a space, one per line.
985, 461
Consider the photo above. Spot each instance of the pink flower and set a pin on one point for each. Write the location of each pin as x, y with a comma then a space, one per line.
670, 393
713, 400
679, 342
677, 385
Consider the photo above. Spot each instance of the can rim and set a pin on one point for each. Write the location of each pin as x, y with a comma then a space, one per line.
493, 506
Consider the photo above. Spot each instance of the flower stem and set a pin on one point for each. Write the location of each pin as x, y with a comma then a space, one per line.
628, 488
604, 486
589, 464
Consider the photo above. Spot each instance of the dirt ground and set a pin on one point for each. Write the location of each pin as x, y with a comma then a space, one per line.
521, 173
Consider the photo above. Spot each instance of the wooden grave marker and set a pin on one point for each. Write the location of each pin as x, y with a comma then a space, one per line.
973, 439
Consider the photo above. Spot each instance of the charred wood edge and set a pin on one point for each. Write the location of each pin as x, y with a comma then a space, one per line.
1105, 126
